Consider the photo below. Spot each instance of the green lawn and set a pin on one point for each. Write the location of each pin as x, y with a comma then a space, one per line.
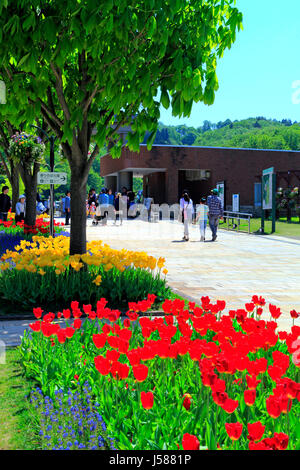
283, 228
17, 430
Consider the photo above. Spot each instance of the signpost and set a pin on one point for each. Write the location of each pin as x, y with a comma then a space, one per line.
52, 178
51, 140
268, 194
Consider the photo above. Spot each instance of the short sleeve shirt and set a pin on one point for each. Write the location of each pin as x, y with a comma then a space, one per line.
202, 211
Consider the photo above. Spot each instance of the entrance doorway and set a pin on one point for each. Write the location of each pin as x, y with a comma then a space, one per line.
197, 182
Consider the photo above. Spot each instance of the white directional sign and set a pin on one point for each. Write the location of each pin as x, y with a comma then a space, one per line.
235, 203
52, 178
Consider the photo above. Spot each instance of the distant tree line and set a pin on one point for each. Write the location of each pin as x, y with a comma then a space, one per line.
258, 132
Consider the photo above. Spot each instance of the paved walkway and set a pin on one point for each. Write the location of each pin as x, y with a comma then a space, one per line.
233, 268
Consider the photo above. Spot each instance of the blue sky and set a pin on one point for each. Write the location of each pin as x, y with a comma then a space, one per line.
256, 75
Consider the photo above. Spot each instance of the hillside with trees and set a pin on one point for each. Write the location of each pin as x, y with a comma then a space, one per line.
259, 132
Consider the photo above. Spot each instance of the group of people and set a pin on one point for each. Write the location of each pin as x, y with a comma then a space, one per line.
20, 209
5, 206
99, 206
210, 209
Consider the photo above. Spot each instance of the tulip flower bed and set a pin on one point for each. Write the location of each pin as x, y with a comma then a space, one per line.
196, 378
41, 228
43, 272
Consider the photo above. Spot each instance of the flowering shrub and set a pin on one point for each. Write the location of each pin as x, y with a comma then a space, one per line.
70, 421
43, 271
197, 378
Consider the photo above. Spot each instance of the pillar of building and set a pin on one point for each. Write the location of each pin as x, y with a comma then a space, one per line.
172, 186
110, 182
125, 178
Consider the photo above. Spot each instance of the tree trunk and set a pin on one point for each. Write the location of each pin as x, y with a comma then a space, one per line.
30, 193
78, 211
14, 185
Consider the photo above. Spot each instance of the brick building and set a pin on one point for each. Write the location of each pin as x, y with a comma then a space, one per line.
168, 169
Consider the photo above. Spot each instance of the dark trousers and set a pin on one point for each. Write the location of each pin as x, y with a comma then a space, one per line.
19, 218
104, 218
67, 221
3, 216
213, 224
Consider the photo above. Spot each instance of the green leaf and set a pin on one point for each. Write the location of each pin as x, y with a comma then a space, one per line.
30, 21
164, 99
151, 139
152, 25
196, 78
24, 59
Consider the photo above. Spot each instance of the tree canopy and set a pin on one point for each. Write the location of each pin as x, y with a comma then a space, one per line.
88, 68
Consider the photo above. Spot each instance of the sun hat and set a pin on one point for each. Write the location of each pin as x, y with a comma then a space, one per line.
22, 197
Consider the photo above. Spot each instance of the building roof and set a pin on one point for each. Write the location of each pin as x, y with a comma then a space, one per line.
220, 148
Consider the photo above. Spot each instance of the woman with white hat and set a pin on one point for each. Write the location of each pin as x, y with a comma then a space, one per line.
20, 209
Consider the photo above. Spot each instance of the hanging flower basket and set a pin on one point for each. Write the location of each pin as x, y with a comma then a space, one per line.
26, 149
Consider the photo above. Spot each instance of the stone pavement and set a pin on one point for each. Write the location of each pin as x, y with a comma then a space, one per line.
12, 331
233, 268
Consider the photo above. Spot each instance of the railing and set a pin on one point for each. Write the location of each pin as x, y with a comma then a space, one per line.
238, 216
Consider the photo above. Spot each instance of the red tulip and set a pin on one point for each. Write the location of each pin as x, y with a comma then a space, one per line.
187, 401
230, 405
69, 332
147, 399
294, 314
66, 313
234, 430
119, 370
258, 300
273, 406
99, 340
190, 442
36, 326
112, 356
77, 324
249, 397
37, 312
140, 372
281, 440
102, 365
256, 431
61, 336
274, 311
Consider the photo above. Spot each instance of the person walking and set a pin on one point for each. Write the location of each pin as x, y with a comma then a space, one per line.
5, 203
187, 211
118, 210
202, 215
104, 203
67, 207
40, 208
20, 209
111, 197
92, 196
215, 209
123, 203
